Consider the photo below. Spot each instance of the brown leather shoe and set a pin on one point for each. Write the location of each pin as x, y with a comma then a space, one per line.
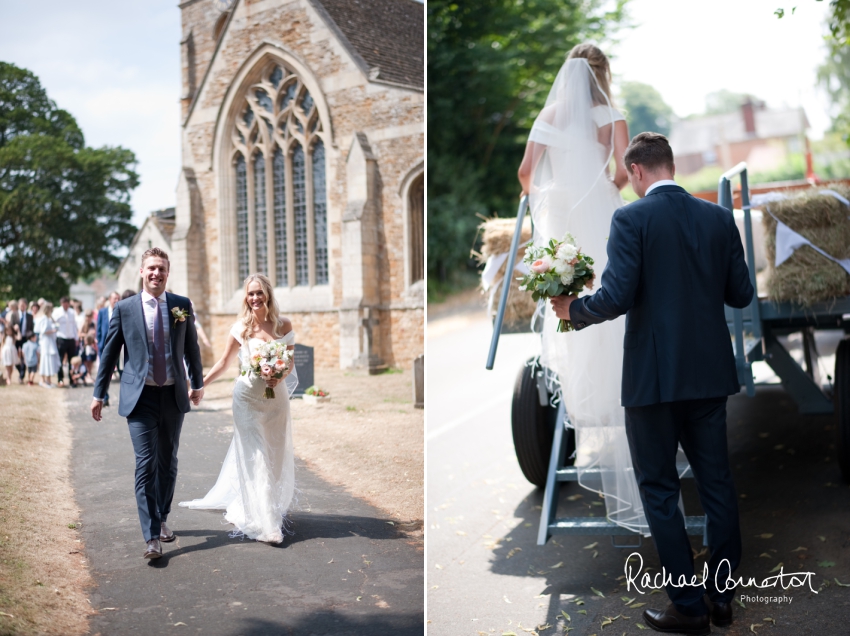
721, 614
154, 550
672, 621
165, 535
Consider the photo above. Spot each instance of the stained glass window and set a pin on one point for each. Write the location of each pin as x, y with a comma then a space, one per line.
248, 116
288, 96
242, 218
416, 233
281, 251
320, 213
261, 235
276, 76
263, 99
302, 267
307, 102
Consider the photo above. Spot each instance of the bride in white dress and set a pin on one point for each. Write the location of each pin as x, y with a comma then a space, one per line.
566, 171
256, 484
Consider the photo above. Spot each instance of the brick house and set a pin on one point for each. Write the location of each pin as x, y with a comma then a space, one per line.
761, 136
302, 158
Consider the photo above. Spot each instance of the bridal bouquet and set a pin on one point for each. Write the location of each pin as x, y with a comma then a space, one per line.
556, 269
271, 360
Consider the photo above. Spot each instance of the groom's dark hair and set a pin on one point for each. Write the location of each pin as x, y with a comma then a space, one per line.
650, 150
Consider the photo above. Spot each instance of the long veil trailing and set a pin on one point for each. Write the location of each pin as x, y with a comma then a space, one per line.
572, 192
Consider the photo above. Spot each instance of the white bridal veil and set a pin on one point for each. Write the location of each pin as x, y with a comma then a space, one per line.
572, 192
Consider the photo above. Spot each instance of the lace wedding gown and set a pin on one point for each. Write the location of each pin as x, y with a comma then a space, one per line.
572, 192
256, 485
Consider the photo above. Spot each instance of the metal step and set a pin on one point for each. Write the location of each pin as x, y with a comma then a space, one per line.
599, 525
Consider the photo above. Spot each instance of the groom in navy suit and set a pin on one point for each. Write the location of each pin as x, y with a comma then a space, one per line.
673, 262
157, 330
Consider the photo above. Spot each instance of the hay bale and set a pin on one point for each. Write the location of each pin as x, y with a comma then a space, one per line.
496, 237
808, 277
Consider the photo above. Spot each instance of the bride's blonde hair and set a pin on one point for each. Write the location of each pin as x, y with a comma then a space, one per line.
246, 314
598, 63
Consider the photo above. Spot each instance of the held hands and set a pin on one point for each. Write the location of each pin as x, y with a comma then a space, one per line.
196, 395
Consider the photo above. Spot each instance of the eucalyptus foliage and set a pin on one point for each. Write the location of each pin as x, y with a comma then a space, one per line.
64, 207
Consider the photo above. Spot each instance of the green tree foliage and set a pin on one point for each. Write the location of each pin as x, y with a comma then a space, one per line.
64, 207
646, 111
490, 67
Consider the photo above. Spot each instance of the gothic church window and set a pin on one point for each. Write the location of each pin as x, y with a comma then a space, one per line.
279, 173
416, 221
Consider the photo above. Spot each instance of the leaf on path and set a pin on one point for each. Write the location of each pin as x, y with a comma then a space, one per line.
770, 620
826, 564
655, 592
574, 497
108, 609
799, 548
842, 584
607, 622
438, 566
591, 546
583, 612
641, 626
595, 503
435, 587
767, 555
5, 614
739, 603
460, 533
506, 599
777, 568
508, 633
753, 627
180, 623
543, 627
359, 597
764, 535
392, 523
512, 552
823, 539
636, 605
597, 592
556, 566
626, 600
331, 561
567, 616
595, 553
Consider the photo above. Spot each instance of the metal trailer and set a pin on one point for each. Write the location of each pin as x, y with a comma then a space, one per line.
544, 448
756, 330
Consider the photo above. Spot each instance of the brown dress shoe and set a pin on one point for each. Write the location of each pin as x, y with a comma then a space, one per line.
721, 614
672, 621
154, 550
165, 535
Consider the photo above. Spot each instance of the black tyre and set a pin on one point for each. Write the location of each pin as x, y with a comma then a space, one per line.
841, 398
533, 426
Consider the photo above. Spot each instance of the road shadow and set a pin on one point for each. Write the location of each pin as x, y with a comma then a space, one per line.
307, 526
336, 624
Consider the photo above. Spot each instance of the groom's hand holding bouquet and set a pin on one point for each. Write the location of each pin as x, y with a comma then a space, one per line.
558, 271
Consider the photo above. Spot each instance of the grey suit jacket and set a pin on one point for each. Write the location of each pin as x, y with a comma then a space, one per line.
127, 329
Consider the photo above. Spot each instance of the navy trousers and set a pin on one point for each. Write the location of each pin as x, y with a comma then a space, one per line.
654, 433
155, 425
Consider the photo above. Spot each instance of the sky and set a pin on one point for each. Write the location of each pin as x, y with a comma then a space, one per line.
115, 66
687, 49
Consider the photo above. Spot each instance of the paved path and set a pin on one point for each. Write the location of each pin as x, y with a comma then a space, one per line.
486, 575
345, 571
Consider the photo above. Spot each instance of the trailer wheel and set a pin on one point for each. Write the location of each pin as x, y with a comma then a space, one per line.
842, 405
533, 426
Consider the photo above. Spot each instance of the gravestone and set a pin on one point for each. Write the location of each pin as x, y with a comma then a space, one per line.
304, 368
419, 382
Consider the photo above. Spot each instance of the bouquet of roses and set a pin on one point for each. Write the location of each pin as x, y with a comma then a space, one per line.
271, 360
556, 269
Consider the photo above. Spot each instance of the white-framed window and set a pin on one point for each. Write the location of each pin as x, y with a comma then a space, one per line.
279, 178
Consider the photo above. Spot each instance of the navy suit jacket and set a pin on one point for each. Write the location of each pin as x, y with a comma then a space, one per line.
127, 329
673, 261
102, 327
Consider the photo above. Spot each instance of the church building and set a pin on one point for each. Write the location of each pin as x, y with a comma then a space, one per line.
302, 158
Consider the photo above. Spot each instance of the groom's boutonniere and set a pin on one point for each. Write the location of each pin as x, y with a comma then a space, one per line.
180, 315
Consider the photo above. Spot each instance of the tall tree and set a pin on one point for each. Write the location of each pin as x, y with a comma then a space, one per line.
490, 66
645, 109
64, 207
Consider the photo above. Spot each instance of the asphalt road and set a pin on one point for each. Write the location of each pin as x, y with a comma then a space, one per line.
486, 575
346, 570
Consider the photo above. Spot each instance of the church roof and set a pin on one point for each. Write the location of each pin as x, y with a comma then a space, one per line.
388, 36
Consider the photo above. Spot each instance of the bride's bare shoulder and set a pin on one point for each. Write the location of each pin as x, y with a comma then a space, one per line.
284, 324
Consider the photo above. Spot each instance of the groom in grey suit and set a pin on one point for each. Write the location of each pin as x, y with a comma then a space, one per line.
157, 331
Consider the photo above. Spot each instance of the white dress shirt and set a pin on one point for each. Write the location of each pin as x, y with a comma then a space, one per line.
150, 304
66, 320
658, 184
